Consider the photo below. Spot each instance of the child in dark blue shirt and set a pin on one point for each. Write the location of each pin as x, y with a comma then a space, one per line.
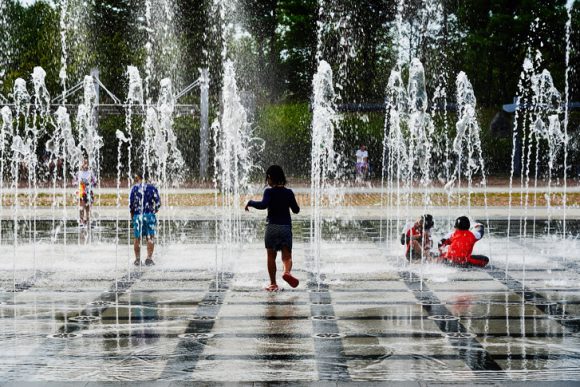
278, 200
144, 202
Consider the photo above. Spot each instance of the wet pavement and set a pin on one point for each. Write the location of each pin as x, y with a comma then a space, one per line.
84, 313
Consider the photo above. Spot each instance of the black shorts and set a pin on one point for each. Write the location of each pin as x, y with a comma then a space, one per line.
473, 261
278, 236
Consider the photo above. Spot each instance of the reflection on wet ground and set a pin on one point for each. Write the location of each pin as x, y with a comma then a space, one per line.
84, 313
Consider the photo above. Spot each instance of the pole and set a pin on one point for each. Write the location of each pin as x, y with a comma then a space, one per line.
204, 123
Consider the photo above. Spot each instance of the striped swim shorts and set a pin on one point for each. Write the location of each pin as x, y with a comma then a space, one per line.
277, 236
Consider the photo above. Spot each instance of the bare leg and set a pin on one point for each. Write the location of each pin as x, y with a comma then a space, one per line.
81, 212
417, 249
287, 259
272, 265
87, 214
137, 248
150, 247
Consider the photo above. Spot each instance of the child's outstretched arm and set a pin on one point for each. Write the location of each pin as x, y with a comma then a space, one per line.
293, 203
261, 205
131, 201
478, 231
446, 240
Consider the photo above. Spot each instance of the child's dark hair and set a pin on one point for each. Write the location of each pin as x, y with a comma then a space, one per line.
462, 223
276, 175
428, 222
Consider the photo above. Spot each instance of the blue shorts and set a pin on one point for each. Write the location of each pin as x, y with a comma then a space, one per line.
144, 225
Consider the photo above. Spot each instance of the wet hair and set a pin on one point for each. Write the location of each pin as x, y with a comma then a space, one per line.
427, 221
276, 175
462, 223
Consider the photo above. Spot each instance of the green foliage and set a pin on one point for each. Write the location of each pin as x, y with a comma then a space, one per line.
276, 62
186, 129
116, 42
356, 129
108, 127
296, 46
286, 129
34, 41
497, 150
497, 37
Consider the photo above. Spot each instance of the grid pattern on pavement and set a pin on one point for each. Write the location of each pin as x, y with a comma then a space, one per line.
372, 318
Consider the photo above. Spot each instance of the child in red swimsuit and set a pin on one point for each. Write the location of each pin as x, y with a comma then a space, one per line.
455, 248
417, 238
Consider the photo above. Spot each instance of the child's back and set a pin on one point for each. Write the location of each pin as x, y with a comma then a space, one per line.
458, 247
279, 201
461, 245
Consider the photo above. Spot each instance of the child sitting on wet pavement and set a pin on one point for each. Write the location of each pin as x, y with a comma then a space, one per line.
417, 238
456, 247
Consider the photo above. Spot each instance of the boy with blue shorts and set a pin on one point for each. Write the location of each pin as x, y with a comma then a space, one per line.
144, 202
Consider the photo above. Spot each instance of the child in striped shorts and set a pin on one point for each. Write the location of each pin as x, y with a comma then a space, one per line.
278, 200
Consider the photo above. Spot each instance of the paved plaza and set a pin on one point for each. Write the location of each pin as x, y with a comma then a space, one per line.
85, 314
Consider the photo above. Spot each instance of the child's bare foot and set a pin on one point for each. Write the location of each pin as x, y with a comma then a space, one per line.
271, 288
292, 281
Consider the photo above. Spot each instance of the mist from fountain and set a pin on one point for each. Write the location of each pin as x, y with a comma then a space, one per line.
5, 137
394, 148
162, 158
235, 149
467, 143
546, 126
408, 139
63, 146
63, 23
569, 8
162, 49
74, 32
5, 44
20, 151
135, 99
324, 160
538, 133
90, 141
40, 103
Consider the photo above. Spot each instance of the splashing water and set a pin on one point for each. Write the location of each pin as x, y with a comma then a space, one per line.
162, 47
408, 141
569, 7
324, 161
467, 142
63, 148
539, 136
235, 149
5, 137
89, 139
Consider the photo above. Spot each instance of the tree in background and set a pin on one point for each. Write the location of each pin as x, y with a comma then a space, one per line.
296, 47
497, 36
32, 40
116, 40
